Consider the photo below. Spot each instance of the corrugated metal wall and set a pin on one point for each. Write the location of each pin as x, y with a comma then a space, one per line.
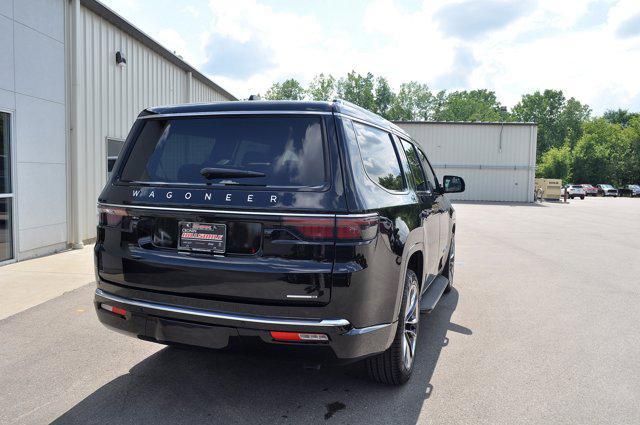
200, 92
496, 161
111, 98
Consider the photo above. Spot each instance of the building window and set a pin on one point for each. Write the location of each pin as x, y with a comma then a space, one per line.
6, 194
114, 146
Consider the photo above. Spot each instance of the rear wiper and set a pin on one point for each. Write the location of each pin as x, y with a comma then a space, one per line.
226, 173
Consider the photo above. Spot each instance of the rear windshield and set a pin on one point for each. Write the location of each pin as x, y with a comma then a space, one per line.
288, 150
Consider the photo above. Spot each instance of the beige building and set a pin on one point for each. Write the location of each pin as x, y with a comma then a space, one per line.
73, 78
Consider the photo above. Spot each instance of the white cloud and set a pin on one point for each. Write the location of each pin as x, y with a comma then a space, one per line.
573, 45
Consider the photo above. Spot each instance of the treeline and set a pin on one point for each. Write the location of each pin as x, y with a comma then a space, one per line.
572, 144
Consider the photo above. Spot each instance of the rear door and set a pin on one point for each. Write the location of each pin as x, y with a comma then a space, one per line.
225, 207
430, 210
440, 208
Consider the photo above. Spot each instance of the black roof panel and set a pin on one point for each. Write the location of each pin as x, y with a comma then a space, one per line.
338, 106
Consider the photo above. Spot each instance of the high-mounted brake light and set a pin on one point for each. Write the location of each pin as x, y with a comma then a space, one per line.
298, 336
329, 228
109, 216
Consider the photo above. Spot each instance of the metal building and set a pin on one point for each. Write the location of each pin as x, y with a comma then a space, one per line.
496, 160
73, 77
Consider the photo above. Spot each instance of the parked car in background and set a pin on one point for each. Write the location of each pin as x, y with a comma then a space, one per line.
573, 191
632, 189
607, 190
316, 228
589, 189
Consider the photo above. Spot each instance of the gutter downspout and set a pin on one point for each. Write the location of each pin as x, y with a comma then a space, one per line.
76, 209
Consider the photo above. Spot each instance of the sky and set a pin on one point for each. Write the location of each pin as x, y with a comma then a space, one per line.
590, 49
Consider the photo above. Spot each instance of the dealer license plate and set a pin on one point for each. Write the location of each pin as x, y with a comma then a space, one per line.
206, 237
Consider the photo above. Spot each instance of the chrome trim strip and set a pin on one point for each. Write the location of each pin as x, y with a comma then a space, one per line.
303, 297
277, 321
270, 213
401, 134
360, 331
214, 113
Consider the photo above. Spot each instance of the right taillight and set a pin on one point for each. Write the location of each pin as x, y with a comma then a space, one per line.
342, 229
356, 228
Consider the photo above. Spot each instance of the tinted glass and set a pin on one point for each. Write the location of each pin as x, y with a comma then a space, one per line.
414, 166
288, 150
6, 240
5, 164
431, 178
379, 157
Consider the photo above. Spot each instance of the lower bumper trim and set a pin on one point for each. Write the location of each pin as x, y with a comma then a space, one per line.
277, 321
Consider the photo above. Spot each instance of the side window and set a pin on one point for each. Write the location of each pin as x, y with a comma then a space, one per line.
379, 157
431, 177
414, 166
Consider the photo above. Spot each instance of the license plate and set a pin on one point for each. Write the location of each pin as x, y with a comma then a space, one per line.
205, 237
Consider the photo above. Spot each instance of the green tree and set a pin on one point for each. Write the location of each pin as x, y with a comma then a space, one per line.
629, 164
358, 89
555, 164
474, 105
619, 116
288, 90
384, 96
322, 87
573, 115
598, 152
414, 101
558, 119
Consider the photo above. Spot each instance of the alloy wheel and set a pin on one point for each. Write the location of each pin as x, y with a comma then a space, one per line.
411, 318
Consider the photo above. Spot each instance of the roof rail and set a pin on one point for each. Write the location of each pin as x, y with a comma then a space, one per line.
372, 115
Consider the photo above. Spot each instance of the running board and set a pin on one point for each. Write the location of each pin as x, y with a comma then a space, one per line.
433, 293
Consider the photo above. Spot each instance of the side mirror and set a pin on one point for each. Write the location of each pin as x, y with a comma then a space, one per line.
453, 184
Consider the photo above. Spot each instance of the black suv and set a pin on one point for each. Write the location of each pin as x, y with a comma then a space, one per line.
300, 226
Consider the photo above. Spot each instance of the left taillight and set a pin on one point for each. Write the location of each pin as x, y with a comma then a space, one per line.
111, 216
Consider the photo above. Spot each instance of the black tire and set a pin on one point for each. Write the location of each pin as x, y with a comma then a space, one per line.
581, 196
570, 197
391, 366
449, 267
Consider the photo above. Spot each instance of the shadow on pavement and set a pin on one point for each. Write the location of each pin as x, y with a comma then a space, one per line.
184, 385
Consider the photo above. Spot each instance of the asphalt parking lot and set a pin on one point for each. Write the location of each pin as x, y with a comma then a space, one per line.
541, 328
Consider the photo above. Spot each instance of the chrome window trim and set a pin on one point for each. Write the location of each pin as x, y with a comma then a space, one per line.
202, 210
214, 113
278, 321
387, 129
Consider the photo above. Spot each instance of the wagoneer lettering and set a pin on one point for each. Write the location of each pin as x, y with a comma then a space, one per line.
291, 224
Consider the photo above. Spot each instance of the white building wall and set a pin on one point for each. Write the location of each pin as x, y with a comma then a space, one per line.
496, 161
111, 98
201, 92
32, 89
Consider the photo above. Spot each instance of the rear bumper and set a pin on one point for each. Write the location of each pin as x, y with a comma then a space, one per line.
215, 329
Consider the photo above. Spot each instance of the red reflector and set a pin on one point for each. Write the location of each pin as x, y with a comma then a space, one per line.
115, 310
298, 336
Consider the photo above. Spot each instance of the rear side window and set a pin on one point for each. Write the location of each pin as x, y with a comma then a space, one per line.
288, 150
414, 166
379, 157
431, 178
